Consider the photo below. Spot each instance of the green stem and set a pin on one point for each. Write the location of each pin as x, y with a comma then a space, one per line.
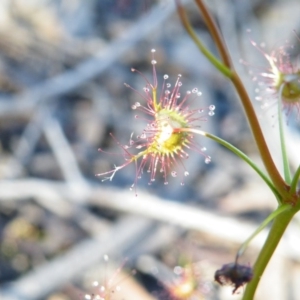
215, 33
295, 181
188, 27
240, 154
286, 165
266, 157
277, 230
273, 215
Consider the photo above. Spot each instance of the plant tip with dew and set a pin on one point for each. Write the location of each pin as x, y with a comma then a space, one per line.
280, 81
185, 282
169, 131
109, 287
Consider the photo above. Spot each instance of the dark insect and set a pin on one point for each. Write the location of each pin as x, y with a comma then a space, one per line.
234, 274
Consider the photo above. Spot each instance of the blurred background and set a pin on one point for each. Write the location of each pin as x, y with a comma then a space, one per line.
65, 235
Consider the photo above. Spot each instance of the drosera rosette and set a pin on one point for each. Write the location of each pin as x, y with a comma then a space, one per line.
280, 81
110, 285
169, 133
183, 282
187, 283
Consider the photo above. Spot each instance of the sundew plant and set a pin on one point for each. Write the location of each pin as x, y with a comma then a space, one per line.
167, 139
163, 145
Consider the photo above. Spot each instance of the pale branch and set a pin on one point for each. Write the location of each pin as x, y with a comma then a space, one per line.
148, 206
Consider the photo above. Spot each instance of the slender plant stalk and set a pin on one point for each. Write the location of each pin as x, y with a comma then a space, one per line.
266, 157
277, 230
240, 154
285, 161
287, 197
263, 225
215, 33
295, 181
225, 70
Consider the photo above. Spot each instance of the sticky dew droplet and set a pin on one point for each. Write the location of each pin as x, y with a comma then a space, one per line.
207, 160
178, 270
95, 283
102, 288
264, 106
105, 257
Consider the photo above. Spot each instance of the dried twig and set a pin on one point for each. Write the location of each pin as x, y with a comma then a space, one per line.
148, 206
